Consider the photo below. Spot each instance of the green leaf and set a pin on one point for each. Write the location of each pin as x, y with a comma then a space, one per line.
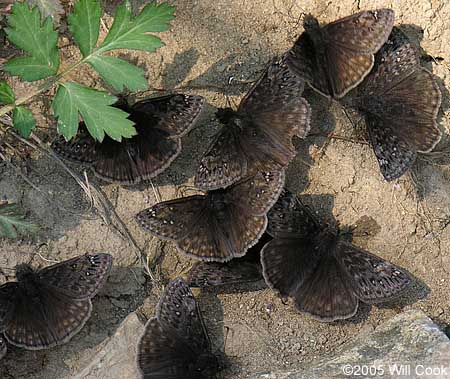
6, 93
13, 222
94, 107
126, 33
51, 8
84, 24
119, 73
23, 121
38, 40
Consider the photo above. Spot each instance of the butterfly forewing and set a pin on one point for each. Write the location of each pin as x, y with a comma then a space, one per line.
178, 310
373, 279
224, 163
78, 278
8, 293
290, 218
162, 355
173, 114
173, 219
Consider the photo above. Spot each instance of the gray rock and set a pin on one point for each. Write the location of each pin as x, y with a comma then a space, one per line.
116, 357
408, 346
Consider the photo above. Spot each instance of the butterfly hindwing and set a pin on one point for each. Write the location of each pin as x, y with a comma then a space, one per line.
373, 279
394, 155
46, 320
78, 278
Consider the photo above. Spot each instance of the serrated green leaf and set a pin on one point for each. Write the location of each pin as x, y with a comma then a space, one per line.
51, 8
94, 107
38, 40
23, 121
13, 222
127, 33
84, 24
119, 73
6, 93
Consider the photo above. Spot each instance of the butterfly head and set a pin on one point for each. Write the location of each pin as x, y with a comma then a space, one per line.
24, 272
310, 23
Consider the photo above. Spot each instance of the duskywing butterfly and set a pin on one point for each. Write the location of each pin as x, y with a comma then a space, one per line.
400, 101
47, 307
336, 57
325, 275
238, 270
260, 132
175, 344
218, 226
160, 123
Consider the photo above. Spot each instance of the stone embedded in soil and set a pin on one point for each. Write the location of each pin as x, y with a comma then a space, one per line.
116, 357
410, 339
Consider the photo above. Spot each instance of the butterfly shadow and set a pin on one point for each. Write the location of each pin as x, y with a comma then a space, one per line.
119, 297
323, 123
213, 316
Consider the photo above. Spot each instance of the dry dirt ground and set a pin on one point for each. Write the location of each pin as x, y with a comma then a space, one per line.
209, 43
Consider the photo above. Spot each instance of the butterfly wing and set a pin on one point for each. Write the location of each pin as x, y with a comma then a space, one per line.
373, 279
162, 355
224, 163
46, 319
82, 149
394, 155
8, 292
403, 94
289, 217
176, 343
172, 219
3, 347
78, 278
363, 32
173, 114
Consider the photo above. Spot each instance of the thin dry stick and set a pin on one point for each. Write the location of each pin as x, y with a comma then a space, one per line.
96, 196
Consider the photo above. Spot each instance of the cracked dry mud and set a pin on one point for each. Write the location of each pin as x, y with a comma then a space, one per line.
209, 45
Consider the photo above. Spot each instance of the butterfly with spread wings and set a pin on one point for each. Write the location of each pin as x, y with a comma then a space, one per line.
325, 275
400, 101
259, 134
218, 226
336, 57
47, 307
160, 123
175, 344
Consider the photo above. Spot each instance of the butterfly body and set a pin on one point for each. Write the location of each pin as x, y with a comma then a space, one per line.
160, 123
175, 344
325, 275
47, 307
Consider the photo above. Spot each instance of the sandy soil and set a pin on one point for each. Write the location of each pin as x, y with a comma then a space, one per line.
210, 43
